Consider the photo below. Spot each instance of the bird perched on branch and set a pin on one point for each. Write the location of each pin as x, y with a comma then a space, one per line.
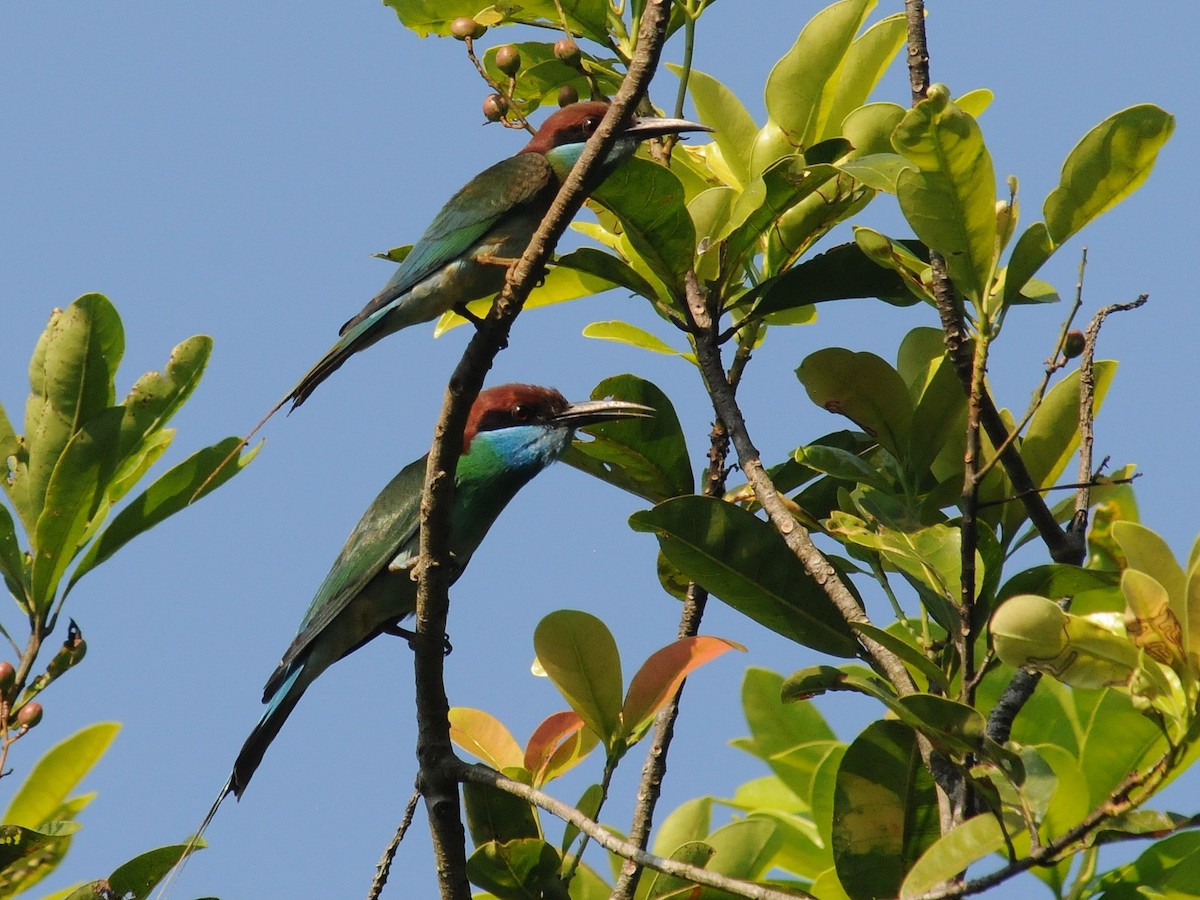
513, 432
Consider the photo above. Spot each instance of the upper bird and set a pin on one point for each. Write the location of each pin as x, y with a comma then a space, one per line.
462, 255
513, 432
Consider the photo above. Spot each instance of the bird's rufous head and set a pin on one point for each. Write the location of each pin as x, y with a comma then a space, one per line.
575, 123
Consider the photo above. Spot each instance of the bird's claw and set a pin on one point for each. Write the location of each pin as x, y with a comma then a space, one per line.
413, 636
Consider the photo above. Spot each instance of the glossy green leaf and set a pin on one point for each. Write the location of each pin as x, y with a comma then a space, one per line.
1056, 580
609, 268
885, 811
1110, 163
135, 879
840, 464
814, 213
1053, 434
1168, 868
745, 848
589, 804
777, 726
174, 490
71, 382
687, 823
517, 870
27, 855
580, 656
950, 202
801, 86
950, 854
496, 815
1032, 249
672, 887
1106, 762
73, 494
484, 736
867, 59
57, 773
1147, 552
625, 333
14, 565
869, 131
661, 675
719, 107
648, 201
157, 396
561, 284
743, 561
897, 641
880, 171
840, 273
863, 388
647, 457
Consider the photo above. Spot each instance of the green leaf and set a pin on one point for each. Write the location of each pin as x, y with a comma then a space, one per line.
950, 854
686, 824
661, 885
744, 848
801, 87
71, 380
719, 107
912, 656
484, 736
14, 565
743, 561
1032, 249
561, 284
157, 396
518, 870
841, 464
27, 855
57, 773
135, 879
647, 199
840, 273
885, 811
951, 201
580, 656
775, 725
1056, 580
661, 675
625, 333
496, 815
1169, 868
866, 61
647, 457
173, 491
605, 266
863, 388
73, 494
1108, 165
427, 17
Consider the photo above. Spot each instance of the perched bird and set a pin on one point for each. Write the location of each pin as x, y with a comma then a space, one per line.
463, 254
513, 432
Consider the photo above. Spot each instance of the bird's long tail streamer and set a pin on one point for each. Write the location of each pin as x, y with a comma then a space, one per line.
195, 842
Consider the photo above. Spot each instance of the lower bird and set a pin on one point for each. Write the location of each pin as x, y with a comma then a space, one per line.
513, 432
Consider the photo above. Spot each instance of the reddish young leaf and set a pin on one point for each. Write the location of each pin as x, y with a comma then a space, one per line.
482, 735
661, 674
557, 745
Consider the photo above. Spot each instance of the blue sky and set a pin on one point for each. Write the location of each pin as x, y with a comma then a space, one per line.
228, 168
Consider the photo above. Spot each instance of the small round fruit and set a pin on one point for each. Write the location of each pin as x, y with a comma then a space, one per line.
7, 676
567, 95
568, 51
29, 715
508, 59
1074, 344
494, 107
465, 27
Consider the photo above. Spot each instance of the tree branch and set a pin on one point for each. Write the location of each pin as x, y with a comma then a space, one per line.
480, 774
434, 752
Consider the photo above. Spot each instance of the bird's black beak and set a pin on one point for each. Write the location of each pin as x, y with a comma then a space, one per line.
656, 126
588, 412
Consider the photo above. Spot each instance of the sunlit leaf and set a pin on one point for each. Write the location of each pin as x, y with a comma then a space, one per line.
1168, 868
516, 870
660, 676
580, 656
484, 736
57, 773
950, 854
624, 333
719, 107
743, 561
863, 388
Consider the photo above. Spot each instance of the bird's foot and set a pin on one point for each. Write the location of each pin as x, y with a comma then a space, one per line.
413, 636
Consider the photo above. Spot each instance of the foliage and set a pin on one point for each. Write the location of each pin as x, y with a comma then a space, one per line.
80, 456
915, 499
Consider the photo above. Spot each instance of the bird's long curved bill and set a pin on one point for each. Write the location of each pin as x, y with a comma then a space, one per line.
657, 126
589, 412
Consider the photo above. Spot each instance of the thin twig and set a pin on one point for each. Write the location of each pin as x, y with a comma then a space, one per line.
384, 866
480, 774
434, 751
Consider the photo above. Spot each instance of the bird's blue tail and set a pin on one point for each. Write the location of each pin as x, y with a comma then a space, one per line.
282, 702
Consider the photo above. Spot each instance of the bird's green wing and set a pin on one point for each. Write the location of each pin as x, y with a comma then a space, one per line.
466, 217
387, 530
